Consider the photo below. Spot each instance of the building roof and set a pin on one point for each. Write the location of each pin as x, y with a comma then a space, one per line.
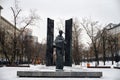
9, 22
112, 26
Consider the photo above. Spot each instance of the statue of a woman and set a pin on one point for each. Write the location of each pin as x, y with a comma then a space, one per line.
59, 44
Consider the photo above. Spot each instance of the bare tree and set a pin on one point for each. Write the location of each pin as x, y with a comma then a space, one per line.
92, 30
77, 46
104, 37
60, 25
3, 43
112, 45
27, 21
16, 11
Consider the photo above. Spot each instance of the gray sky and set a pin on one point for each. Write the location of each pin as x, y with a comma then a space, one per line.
104, 11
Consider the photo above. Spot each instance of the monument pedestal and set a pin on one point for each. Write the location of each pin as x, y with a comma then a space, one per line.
59, 74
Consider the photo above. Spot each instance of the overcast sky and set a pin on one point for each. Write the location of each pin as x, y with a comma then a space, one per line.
104, 11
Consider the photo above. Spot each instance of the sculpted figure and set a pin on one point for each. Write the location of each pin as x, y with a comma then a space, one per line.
59, 44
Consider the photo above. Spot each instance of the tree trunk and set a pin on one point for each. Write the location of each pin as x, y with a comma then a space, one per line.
104, 56
96, 54
112, 56
6, 56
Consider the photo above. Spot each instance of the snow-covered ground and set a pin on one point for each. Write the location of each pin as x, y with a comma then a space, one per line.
10, 73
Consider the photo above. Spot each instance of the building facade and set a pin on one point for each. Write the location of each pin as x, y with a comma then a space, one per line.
114, 31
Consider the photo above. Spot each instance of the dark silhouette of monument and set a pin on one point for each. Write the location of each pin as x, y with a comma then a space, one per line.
60, 48
50, 38
68, 40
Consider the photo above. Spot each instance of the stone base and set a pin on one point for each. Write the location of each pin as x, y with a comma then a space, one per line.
117, 67
99, 67
59, 74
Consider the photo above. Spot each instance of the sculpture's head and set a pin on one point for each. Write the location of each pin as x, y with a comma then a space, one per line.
60, 32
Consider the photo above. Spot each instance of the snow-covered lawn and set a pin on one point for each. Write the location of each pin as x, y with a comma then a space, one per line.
10, 73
